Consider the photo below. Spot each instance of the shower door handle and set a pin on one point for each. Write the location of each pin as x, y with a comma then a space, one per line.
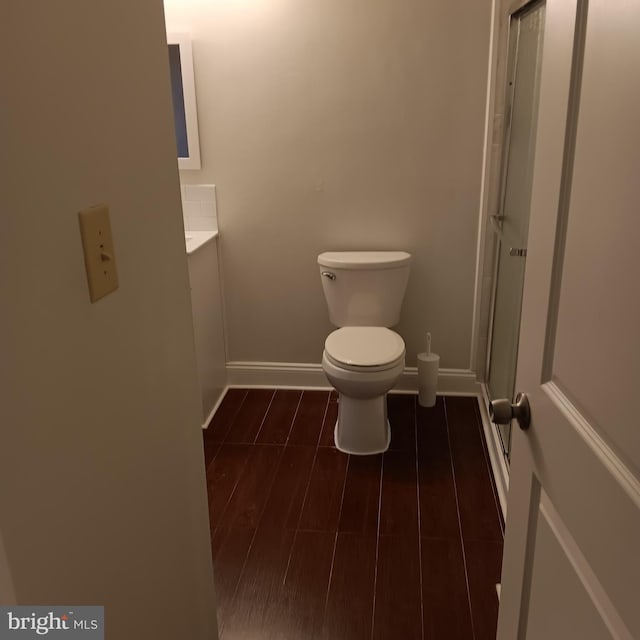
503, 412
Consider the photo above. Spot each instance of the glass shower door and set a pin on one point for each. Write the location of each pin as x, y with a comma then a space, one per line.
512, 221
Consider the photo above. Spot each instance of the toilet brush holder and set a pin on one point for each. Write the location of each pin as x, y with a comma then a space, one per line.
428, 365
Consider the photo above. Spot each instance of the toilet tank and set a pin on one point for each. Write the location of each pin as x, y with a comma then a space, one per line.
364, 288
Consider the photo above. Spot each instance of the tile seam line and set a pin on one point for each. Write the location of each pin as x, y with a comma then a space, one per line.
293, 419
264, 417
375, 573
210, 463
255, 531
235, 484
415, 436
234, 415
324, 417
476, 412
335, 540
461, 537
253, 538
304, 502
240, 575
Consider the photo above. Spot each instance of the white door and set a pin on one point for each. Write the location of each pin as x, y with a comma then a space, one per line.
571, 566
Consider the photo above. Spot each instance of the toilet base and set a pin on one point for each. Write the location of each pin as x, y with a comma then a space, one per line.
362, 427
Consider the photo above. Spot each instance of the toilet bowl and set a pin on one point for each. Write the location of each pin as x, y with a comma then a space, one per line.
363, 364
363, 359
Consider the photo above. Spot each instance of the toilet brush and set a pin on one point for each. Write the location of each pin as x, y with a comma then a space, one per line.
428, 364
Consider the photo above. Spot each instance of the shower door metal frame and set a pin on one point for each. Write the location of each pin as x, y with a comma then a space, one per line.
511, 9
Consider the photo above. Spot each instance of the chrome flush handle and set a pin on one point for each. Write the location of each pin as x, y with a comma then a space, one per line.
328, 274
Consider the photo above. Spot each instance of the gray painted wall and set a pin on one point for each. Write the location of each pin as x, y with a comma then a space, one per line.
334, 124
102, 490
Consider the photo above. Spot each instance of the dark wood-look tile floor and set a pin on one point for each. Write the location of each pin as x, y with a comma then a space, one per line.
311, 543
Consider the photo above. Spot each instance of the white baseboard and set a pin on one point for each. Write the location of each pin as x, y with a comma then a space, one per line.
280, 375
451, 382
207, 420
311, 376
496, 457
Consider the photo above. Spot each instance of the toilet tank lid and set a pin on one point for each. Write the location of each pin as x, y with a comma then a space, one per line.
364, 259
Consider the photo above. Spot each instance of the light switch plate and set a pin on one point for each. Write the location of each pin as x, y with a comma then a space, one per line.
99, 255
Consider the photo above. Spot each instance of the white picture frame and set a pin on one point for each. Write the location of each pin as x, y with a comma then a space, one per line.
185, 113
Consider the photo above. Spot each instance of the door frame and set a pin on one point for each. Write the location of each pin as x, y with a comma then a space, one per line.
595, 463
495, 217
487, 254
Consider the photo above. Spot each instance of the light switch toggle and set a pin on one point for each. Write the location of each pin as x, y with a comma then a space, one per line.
99, 254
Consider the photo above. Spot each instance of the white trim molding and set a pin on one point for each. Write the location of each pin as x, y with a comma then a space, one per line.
212, 413
496, 457
451, 382
310, 376
276, 374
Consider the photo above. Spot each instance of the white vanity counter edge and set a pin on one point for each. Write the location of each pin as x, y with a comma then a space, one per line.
196, 239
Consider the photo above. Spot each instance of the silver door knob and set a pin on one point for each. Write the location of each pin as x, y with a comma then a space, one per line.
503, 412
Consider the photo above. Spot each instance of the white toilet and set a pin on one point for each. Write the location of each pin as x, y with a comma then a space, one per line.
364, 358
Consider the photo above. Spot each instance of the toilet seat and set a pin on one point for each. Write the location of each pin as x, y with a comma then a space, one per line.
364, 348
